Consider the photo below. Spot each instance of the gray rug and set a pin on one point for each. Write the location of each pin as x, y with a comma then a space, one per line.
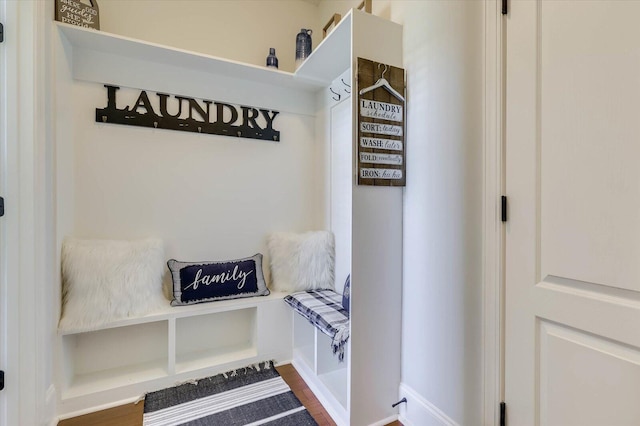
254, 395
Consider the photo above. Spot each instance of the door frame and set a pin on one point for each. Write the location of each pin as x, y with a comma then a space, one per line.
26, 240
9, 235
11, 223
493, 343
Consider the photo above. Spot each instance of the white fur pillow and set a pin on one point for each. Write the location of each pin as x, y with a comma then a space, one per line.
105, 280
301, 262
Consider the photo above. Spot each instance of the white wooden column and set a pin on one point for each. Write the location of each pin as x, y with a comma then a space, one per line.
26, 231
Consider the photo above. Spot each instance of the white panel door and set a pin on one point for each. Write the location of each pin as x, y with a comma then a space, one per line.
573, 235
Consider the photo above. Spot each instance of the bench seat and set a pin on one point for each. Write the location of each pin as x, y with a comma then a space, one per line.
323, 309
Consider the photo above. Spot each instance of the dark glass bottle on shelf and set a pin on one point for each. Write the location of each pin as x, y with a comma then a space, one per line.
303, 46
272, 60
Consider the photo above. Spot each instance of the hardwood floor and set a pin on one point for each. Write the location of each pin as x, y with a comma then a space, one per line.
124, 415
304, 394
131, 414
307, 398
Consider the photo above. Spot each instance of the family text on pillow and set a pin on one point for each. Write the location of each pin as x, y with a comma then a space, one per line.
197, 282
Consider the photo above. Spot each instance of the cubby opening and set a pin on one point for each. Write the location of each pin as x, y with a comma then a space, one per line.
304, 347
99, 360
313, 348
214, 339
331, 371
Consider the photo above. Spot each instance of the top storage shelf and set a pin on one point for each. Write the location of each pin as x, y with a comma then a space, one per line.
329, 59
332, 57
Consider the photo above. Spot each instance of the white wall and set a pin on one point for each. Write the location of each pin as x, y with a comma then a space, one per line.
208, 197
442, 282
442, 311
241, 30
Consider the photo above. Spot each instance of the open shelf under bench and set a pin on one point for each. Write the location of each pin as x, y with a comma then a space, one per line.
124, 359
320, 368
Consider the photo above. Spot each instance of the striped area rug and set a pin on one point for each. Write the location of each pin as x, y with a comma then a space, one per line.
254, 395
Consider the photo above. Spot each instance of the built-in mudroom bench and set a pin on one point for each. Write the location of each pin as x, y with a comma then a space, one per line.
218, 196
172, 345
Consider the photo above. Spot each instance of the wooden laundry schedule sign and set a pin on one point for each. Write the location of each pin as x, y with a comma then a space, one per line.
381, 124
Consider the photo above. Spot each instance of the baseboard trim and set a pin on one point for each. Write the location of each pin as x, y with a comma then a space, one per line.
386, 421
420, 412
93, 409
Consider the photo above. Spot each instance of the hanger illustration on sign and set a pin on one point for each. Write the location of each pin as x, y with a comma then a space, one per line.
382, 82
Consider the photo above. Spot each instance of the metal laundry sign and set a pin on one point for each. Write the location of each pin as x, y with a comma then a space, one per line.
173, 112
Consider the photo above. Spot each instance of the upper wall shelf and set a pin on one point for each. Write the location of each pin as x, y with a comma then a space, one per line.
329, 59
113, 44
332, 56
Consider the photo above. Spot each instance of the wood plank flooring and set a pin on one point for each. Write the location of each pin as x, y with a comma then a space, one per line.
131, 414
124, 415
304, 394
307, 398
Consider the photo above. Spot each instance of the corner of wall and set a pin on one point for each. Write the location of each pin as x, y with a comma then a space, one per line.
417, 411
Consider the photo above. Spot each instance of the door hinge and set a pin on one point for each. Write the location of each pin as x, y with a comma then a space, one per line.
1, 206
1, 32
504, 7
503, 414
503, 208
1, 380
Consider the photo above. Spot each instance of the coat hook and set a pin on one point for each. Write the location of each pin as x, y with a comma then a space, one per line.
337, 94
343, 82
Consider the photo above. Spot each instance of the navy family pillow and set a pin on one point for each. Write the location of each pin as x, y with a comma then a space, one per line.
196, 282
346, 294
